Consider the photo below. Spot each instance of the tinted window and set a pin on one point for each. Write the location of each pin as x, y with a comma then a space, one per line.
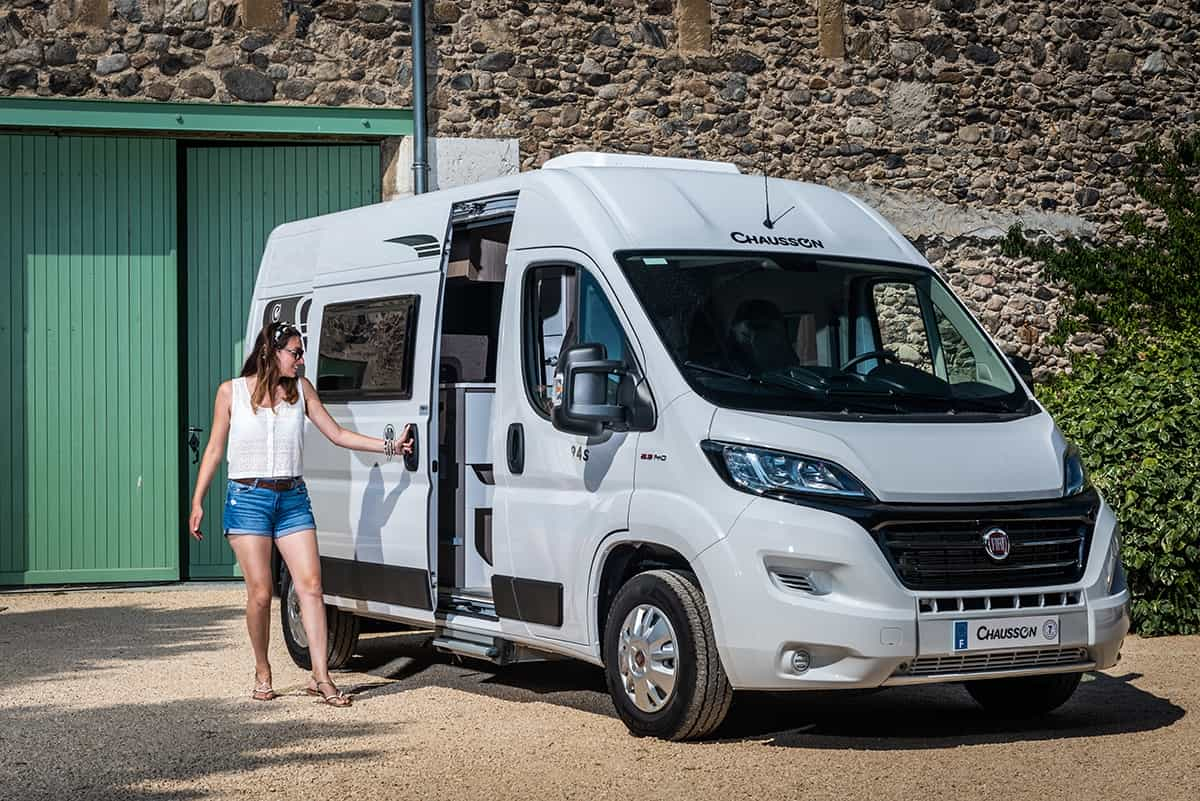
901, 324
597, 321
565, 306
802, 334
366, 349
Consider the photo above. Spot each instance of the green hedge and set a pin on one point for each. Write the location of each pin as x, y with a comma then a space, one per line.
1135, 415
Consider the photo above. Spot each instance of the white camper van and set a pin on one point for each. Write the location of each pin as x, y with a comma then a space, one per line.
705, 443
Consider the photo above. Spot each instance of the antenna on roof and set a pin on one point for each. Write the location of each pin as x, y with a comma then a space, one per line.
768, 222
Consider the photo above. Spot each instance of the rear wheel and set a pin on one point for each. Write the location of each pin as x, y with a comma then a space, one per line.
343, 628
1024, 697
661, 661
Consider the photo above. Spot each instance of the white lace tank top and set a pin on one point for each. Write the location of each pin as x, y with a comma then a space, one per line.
269, 444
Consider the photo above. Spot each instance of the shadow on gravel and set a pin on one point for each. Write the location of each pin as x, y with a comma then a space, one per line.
410, 661
900, 718
931, 717
57, 644
143, 751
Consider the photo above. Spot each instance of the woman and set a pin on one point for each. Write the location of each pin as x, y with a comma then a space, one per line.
262, 414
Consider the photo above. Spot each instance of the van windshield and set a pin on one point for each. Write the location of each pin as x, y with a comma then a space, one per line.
803, 334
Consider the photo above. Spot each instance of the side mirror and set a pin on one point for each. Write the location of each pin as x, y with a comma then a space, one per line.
1023, 368
582, 390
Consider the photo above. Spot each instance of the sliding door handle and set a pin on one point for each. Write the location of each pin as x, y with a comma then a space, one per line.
516, 449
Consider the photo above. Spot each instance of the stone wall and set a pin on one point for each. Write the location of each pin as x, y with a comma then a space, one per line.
252, 51
977, 113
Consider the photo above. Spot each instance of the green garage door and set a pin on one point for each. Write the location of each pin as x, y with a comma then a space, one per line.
235, 196
89, 408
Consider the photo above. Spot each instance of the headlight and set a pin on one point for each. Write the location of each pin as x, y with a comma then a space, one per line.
766, 472
1075, 478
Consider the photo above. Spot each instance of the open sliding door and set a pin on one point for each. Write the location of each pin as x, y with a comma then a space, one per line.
374, 344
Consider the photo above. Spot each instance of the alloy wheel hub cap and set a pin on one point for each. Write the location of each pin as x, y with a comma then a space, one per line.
647, 658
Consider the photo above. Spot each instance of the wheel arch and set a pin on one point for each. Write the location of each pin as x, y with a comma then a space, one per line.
621, 557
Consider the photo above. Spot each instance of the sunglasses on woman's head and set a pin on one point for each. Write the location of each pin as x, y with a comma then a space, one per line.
280, 333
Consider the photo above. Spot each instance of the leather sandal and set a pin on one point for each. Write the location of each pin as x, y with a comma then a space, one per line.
264, 692
336, 698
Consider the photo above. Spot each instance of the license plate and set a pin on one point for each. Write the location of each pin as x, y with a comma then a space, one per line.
1005, 633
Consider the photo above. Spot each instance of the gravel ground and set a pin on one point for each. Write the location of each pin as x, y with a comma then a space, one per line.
144, 695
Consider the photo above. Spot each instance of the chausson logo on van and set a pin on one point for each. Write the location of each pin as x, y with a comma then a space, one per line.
778, 241
1007, 633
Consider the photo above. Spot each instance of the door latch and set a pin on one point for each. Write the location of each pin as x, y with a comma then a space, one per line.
193, 442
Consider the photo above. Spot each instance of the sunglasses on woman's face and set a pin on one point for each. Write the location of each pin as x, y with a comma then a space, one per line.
297, 353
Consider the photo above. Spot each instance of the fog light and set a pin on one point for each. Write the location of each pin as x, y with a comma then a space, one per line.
801, 661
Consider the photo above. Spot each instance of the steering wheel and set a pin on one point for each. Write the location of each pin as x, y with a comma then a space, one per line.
885, 355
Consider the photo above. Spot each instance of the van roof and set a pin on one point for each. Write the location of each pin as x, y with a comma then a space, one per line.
602, 202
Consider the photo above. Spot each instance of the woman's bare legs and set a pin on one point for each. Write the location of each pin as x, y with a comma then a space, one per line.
299, 551
254, 557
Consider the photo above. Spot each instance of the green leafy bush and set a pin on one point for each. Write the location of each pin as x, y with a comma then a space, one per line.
1135, 415
1135, 411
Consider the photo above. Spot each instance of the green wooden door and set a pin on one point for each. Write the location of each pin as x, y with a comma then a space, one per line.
235, 196
89, 407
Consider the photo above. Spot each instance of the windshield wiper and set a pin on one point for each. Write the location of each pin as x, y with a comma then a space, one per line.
780, 382
747, 377
994, 405
954, 403
824, 393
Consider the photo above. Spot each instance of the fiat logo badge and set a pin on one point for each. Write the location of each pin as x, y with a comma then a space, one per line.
995, 542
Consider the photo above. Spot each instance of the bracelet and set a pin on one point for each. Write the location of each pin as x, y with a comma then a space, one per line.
389, 449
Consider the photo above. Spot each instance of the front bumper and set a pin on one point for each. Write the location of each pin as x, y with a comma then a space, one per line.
790, 578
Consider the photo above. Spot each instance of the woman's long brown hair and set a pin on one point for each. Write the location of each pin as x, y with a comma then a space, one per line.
262, 364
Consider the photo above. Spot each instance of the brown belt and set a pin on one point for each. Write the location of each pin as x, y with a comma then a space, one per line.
277, 484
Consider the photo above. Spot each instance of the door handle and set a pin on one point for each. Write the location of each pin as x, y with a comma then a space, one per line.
193, 442
410, 459
516, 449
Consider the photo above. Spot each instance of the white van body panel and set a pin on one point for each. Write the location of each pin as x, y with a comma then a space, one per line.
561, 519
571, 482
920, 462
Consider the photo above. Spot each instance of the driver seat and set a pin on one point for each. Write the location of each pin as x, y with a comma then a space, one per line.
758, 335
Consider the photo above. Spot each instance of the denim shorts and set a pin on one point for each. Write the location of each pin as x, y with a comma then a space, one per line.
266, 512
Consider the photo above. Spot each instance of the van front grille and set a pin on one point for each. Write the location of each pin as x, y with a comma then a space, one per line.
950, 555
994, 660
940, 605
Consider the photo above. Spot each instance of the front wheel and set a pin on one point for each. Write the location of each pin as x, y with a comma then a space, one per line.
1024, 697
661, 662
342, 628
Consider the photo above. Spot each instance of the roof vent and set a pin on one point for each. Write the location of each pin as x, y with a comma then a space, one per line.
572, 160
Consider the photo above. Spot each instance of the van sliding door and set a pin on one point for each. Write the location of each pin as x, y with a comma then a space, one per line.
372, 367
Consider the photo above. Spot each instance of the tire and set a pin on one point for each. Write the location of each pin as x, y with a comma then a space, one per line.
343, 628
1025, 697
699, 695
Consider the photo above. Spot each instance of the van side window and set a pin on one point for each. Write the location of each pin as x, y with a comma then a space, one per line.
901, 324
597, 321
367, 349
564, 306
